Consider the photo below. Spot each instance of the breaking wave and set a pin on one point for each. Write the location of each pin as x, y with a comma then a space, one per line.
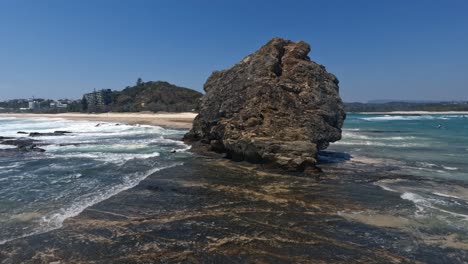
409, 117
94, 162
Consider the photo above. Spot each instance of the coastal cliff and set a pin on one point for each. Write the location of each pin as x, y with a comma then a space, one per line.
276, 106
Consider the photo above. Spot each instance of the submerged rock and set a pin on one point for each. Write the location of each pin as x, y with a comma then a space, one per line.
22, 145
55, 133
276, 106
62, 132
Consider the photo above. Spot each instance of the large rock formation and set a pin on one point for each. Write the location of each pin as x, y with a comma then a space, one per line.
276, 106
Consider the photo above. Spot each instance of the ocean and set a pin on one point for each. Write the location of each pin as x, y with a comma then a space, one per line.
422, 145
39, 190
431, 147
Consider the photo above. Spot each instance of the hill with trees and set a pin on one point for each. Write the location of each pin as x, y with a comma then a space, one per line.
156, 97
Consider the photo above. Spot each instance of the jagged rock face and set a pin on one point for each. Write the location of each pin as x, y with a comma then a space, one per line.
275, 106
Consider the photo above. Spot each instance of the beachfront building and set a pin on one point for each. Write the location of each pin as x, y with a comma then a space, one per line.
58, 104
33, 105
98, 100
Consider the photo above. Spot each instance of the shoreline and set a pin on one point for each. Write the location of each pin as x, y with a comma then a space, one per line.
170, 120
413, 113
212, 210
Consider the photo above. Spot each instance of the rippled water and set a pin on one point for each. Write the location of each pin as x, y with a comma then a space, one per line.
38, 191
424, 145
428, 146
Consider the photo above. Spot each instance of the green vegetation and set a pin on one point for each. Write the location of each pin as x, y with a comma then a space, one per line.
139, 82
155, 97
14, 104
144, 96
43, 106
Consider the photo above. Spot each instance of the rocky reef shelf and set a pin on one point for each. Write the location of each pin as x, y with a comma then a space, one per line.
213, 210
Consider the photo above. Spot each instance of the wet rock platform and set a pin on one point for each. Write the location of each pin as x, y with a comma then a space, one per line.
211, 210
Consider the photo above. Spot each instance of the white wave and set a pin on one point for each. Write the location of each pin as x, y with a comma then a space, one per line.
450, 168
434, 167
447, 195
428, 165
12, 166
55, 220
7, 146
422, 203
96, 148
354, 135
416, 198
90, 128
386, 188
463, 216
377, 144
186, 147
403, 118
424, 169
116, 158
397, 138
418, 201
107, 144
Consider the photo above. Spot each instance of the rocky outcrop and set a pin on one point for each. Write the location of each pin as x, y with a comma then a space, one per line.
276, 106
55, 133
21, 144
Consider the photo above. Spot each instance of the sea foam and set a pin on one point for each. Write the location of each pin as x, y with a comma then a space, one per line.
404, 118
96, 161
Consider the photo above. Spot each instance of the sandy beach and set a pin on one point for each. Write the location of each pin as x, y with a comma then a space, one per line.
174, 120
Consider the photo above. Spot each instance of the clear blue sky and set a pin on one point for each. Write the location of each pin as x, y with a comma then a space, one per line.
378, 49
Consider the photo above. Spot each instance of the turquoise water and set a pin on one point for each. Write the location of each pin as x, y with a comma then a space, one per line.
38, 191
434, 148
422, 145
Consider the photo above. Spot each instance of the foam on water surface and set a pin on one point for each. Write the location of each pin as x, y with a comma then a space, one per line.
431, 147
410, 117
426, 145
97, 160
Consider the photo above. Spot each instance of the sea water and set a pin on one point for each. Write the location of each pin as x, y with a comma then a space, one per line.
424, 145
38, 191
432, 147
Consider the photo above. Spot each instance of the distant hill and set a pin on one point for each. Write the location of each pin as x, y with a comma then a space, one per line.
384, 101
406, 106
155, 96
144, 96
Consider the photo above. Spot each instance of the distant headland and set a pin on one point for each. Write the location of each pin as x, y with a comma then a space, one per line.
166, 97
151, 96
